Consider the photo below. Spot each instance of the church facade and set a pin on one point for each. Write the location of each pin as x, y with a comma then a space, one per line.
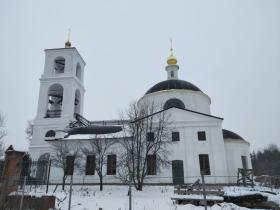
198, 141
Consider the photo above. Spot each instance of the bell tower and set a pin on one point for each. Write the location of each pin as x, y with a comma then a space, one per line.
61, 95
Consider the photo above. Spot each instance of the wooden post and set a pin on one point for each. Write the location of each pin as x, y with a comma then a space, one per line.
22, 195
204, 193
70, 193
130, 192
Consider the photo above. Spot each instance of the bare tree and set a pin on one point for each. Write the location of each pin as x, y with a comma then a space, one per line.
147, 150
3, 133
29, 130
99, 148
2, 148
62, 150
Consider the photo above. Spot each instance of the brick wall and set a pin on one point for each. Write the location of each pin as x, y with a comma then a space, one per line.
31, 202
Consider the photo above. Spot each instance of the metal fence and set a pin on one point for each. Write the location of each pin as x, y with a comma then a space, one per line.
39, 173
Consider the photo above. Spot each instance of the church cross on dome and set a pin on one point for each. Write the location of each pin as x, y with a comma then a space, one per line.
68, 43
171, 46
172, 67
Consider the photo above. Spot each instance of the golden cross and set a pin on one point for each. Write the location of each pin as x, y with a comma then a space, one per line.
171, 45
69, 33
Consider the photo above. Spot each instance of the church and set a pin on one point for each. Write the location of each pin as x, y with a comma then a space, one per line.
198, 141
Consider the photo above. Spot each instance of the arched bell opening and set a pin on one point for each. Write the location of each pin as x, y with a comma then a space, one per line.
59, 65
78, 71
77, 103
55, 100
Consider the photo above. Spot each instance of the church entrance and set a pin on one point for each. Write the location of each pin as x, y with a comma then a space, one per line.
177, 172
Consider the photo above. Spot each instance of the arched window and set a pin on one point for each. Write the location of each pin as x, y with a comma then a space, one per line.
44, 157
172, 73
174, 102
59, 65
55, 99
50, 133
42, 168
78, 71
77, 102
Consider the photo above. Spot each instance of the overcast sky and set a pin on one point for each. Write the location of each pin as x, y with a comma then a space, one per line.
230, 49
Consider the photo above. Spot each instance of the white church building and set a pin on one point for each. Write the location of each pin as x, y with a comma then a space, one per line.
197, 143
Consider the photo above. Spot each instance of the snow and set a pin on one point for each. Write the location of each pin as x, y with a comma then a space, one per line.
115, 197
237, 191
240, 191
116, 135
197, 197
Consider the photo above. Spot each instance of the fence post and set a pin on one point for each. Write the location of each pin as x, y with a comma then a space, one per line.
70, 193
22, 195
204, 193
130, 192
48, 176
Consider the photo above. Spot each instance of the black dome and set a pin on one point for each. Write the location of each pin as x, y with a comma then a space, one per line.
231, 135
172, 84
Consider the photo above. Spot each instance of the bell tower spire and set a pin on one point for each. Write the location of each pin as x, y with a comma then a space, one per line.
68, 43
172, 67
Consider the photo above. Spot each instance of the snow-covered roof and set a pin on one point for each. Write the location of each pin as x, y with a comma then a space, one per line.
117, 135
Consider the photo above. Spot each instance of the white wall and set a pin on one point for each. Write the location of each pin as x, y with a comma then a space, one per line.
193, 100
234, 150
187, 149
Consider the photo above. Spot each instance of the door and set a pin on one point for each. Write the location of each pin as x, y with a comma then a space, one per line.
244, 162
177, 172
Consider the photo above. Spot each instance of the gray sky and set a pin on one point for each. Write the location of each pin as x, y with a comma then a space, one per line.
229, 49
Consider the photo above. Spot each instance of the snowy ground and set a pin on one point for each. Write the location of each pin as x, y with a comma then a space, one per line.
237, 191
151, 198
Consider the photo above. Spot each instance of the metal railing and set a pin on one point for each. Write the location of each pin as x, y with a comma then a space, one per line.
53, 114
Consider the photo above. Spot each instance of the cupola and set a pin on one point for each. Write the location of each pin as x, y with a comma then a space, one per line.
172, 67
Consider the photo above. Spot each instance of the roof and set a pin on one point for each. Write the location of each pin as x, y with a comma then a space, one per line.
87, 133
227, 134
188, 110
67, 48
94, 130
171, 84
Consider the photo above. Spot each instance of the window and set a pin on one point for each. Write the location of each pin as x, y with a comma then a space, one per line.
174, 102
244, 162
150, 136
175, 136
69, 165
90, 165
111, 164
172, 74
201, 135
50, 133
78, 71
204, 164
77, 102
59, 65
151, 165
